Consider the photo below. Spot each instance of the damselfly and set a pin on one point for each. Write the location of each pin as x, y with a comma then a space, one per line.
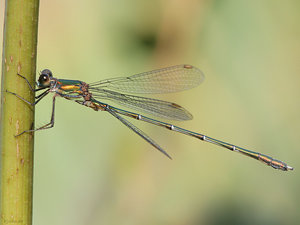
166, 80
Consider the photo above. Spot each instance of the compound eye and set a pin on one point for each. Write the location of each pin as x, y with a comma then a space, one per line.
46, 72
45, 78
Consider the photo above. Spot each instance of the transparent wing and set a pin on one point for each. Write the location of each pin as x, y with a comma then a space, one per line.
166, 80
138, 131
152, 106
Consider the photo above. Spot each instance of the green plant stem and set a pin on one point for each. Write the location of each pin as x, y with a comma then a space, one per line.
19, 56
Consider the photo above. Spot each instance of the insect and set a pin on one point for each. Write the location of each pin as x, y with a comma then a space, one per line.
119, 90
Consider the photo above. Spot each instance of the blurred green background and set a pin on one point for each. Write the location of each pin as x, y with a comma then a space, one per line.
91, 169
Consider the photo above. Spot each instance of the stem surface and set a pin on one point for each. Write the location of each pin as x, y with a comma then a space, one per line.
19, 56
